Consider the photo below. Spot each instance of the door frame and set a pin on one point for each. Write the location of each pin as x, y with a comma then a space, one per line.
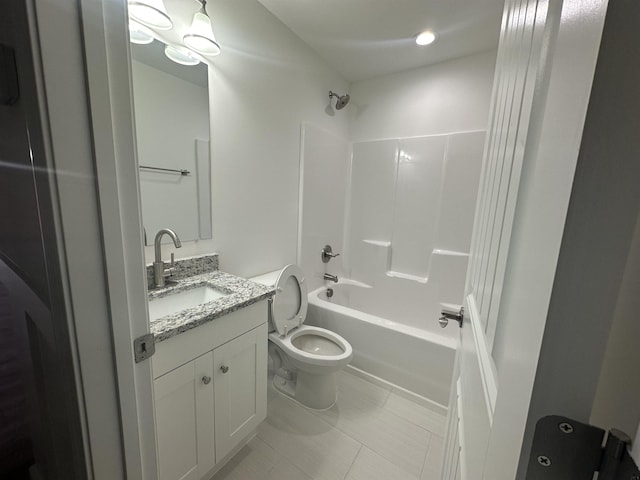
109, 85
87, 117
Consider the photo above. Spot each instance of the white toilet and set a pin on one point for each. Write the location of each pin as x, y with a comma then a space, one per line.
305, 358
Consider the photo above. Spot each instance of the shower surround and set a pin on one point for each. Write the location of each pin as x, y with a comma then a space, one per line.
400, 211
409, 218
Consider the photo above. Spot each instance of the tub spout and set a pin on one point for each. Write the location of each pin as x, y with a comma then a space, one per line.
333, 278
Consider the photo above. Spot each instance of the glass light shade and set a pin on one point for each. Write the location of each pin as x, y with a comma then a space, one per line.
139, 34
181, 55
151, 13
426, 38
200, 37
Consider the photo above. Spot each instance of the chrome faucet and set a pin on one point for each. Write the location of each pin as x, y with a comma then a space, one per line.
158, 264
327, 254
333, 278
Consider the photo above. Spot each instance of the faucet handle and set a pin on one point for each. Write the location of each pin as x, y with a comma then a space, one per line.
168, 267
327, 254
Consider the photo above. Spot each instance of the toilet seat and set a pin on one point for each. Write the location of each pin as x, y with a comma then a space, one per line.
289, 305
288, 344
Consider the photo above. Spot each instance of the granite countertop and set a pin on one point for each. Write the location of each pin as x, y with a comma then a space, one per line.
241, 293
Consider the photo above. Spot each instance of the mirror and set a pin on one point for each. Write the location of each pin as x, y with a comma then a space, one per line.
171, 107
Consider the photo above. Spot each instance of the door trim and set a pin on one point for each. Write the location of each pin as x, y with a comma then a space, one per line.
488, 372
104, 37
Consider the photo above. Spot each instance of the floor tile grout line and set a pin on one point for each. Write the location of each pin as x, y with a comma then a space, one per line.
382, 407
318, 415
428, 411
431, 432
426, 454
401, 393
354, 459
387, 396
393, 462
382, 455
410, 421
332, 427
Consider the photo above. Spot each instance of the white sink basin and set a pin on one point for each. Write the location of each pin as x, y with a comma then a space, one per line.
161, 307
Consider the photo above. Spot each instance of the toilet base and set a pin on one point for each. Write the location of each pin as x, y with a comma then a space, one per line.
317, 392
284, 385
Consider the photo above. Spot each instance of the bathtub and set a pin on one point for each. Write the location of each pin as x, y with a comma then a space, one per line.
419, 360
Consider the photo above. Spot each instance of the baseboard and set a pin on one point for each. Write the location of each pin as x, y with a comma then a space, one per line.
403, 392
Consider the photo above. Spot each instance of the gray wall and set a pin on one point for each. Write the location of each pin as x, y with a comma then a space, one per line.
598, 233
617, 402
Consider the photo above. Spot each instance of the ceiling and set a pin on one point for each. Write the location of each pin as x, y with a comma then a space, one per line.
362, 39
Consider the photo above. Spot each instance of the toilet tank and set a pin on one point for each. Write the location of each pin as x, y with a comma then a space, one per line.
268, 279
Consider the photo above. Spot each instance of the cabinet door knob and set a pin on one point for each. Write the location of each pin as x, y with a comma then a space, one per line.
206, 380
224, 369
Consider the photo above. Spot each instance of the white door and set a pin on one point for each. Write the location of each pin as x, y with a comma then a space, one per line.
240, 377
522, 203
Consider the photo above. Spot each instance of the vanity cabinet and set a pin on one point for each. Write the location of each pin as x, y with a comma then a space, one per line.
207, 406
240, 377
184, 420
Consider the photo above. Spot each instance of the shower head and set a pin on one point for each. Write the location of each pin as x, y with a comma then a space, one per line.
342, 100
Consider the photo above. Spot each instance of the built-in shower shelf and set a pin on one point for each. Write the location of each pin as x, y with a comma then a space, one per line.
451, 253
407, 276
380, 254
378, 243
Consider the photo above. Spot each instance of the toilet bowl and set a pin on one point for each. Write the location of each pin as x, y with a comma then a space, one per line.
305, 359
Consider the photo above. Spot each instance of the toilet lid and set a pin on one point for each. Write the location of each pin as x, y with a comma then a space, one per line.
289, 308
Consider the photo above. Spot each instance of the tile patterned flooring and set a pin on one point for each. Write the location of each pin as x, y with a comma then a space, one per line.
371, 433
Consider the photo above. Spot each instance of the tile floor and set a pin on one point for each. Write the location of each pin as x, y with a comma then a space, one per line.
372, 433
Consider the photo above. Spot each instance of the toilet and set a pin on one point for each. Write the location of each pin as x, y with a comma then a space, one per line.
305, 358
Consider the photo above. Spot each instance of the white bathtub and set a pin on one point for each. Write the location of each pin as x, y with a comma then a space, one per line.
416, 359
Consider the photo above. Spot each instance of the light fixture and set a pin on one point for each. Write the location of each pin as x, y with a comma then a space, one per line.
181, 55
139, 34
151, 13
426, 38
200, 36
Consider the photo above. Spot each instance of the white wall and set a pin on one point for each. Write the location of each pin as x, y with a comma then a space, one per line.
447, 97
324, 182
264, 85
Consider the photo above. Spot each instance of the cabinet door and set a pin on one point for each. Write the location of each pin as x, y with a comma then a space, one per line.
240, 375
184, 420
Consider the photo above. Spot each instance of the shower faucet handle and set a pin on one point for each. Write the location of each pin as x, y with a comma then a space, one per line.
449, 313
327, 254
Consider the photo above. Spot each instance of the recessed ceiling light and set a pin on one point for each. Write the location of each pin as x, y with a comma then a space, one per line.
426, 38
